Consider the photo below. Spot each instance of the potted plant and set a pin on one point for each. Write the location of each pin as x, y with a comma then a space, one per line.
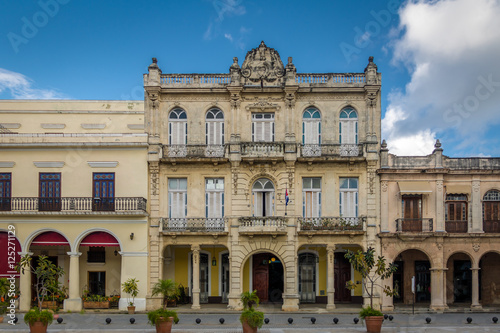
96, 302
4, 290
371, 271
162, 319
167, 289
250, 319
130, 287
46, 272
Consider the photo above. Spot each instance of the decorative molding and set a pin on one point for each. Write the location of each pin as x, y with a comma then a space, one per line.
135, 126
10, 125
93, 126
133, 254
476, 247
262, 66
49, 164
7, 164
439, 185
262, 104
102, 164
476, 185
52, 126
384, 185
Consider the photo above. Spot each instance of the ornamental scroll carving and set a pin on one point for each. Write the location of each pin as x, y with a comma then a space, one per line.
262, 66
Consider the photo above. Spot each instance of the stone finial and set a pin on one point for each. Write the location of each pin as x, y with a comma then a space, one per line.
438, 144
290, 61
383, 145
371, 72
370, 59
154, 65
155, 61
235, 64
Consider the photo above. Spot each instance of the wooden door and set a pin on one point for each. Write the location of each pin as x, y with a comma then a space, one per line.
342, 272
104, 192
261, 276
50, 192
412, 213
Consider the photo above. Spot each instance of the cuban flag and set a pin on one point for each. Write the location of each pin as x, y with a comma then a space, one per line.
286, 197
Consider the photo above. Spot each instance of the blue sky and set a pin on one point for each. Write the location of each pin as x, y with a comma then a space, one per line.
438, 58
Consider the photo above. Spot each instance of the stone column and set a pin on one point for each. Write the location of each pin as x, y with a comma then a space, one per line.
477, 208
25, 286
387, 303
196, 277
475, 288
74, 302
330, 283
439, 227
438, 302
384, 207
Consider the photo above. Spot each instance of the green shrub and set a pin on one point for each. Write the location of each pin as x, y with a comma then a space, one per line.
33, 315
252, 317
155, 314
368, 312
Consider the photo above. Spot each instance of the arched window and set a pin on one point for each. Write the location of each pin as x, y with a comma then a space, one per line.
491, 211
348, 126
311, 127
263, 197
177, 127
214, 127
307, 277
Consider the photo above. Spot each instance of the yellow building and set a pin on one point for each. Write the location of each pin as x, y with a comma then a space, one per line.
261, 179
73, 187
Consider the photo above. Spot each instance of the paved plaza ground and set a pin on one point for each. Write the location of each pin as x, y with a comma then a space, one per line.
95, 322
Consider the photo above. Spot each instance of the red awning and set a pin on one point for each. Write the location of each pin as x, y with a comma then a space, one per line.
50, 238
100, 238
7, 247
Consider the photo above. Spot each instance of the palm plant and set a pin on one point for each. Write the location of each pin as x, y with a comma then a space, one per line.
166, 288
249, 298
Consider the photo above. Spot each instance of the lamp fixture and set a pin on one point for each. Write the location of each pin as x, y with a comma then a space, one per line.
116, 253
131, 236
214, 260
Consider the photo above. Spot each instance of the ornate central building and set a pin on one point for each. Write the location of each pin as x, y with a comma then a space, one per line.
261, 179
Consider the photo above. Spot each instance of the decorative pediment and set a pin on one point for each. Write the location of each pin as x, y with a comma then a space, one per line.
262, 104
263, 66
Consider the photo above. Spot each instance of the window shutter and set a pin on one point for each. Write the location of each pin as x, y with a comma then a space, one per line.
258, 197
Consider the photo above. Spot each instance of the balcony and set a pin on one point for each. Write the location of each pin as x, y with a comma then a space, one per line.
262, 149
332, 223
174, 152
197, 224
456, 226
72, 205
491, 226
331, 150
263, 225
414, 225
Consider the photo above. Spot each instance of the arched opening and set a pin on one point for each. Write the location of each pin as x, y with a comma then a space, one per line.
412, 264
348, 126
177, 127
214, 127
263, 198
459, 279
268, 277
489, 279
311, 127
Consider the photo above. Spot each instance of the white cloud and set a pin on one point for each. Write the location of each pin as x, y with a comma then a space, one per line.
223, 8
451, 49
21, 87
229, 37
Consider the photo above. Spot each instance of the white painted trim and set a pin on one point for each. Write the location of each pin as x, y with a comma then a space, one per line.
10, 125
49, 164
53, 125
102, 164
135, 126
7, 164
93, 126
133, 254
74, 221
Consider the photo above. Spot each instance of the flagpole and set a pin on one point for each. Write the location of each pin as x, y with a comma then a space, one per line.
286, 203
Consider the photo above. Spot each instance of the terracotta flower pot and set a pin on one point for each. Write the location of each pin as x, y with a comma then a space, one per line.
38, 327
247, 328
131, 309
374, 324
1, 318
164, 325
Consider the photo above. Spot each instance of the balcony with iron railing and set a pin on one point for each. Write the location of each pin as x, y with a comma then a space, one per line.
196, 224
332, 223
73, 205
456, 226
414, 225
331, 150
263, 225
194, 151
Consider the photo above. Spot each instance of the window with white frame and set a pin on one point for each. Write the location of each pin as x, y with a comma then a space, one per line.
177, 127
348, 126
177, 198
263, 197
263, 127
348, 197
214, 197
311, 197
311, 127
214, 127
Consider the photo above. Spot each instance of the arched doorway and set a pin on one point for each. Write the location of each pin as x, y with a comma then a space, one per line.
459, 279
268, 277
412, 263
489, 279
263, 197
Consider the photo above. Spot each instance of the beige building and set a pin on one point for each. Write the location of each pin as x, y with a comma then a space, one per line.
73, 187
440, 223
225, 149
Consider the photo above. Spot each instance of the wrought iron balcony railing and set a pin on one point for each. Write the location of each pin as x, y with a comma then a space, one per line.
343, 150
197, 224
332, 223
73, 204
414, 225
456, 226
193, 151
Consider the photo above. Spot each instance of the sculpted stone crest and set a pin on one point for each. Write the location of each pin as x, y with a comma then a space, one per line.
263, 66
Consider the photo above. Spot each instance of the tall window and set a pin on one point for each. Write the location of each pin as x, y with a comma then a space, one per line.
263, 127
5, 191
177, 127
214, 202
307, 277
50, 192
214, 127
177, 198
348, 126
348, 197
311, 127
456, 207
491, 211
104, 191
311, 197
263, 197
